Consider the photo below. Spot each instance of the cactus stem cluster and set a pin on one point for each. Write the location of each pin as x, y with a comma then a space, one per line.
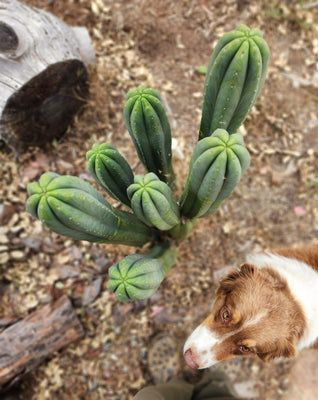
72, 207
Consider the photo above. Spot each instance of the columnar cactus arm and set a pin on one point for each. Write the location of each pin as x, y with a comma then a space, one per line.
217, 165
149, 128
235, 76
70, 206
110, 170
152, 202
138, 276
214, 77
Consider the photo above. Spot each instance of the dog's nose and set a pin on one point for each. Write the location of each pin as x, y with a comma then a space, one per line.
189, 359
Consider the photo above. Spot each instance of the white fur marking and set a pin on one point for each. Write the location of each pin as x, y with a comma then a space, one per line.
202, 340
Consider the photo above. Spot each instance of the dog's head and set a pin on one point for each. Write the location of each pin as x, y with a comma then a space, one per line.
254, 313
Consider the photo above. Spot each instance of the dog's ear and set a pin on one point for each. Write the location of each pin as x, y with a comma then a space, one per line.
288, 350
273, 278
228, 282
248, 270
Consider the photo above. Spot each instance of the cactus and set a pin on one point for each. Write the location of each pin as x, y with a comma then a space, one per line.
138, 276
149, 128
110, 170
217, 165
72, 207
235, 76
152, 202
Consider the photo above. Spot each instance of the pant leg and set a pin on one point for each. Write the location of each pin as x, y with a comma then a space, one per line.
173, 390
214, 385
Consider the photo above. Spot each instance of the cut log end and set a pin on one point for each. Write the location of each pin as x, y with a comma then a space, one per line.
44, 107
43, 75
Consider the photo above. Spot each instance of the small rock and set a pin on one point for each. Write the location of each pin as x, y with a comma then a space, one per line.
102, 265
17, 254
246, 389
4, 258
32, 243
67, 271
92, 291
6, 212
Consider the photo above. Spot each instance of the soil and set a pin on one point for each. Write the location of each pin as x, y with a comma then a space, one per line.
161, 44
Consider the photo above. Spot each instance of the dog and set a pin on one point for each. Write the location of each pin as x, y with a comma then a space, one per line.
268, 308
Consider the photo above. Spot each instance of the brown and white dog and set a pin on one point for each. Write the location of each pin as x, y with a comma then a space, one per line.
268, 307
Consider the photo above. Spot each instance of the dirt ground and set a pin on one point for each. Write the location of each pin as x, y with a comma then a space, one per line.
161, 43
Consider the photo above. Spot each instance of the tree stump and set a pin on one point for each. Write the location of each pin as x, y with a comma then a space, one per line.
26, 343
43, 74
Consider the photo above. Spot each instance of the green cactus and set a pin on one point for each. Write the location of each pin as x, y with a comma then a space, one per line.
72, 207
149, 128
110, 170
152, 202
217, 165
138, 276
235, 76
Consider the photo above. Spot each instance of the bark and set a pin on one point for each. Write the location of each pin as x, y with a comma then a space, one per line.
26, 343
43, 74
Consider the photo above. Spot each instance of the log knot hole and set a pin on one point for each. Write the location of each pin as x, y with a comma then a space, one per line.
8, 38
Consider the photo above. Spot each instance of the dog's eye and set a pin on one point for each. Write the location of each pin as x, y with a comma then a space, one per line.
244, 349
225, 315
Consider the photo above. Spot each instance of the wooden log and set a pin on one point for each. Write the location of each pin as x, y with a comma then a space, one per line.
26, 343
44, 78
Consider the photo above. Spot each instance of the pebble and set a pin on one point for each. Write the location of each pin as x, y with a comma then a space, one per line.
17, 254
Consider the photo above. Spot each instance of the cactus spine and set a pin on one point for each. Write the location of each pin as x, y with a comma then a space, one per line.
235, 76
110, 170
152, 202
138, 276
217, 165
72, 207
149, 128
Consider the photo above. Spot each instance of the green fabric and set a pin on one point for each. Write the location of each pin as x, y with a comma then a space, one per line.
173, 390
213, 386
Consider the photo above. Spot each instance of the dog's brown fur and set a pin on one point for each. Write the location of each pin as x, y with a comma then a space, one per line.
255, 313
251, 289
